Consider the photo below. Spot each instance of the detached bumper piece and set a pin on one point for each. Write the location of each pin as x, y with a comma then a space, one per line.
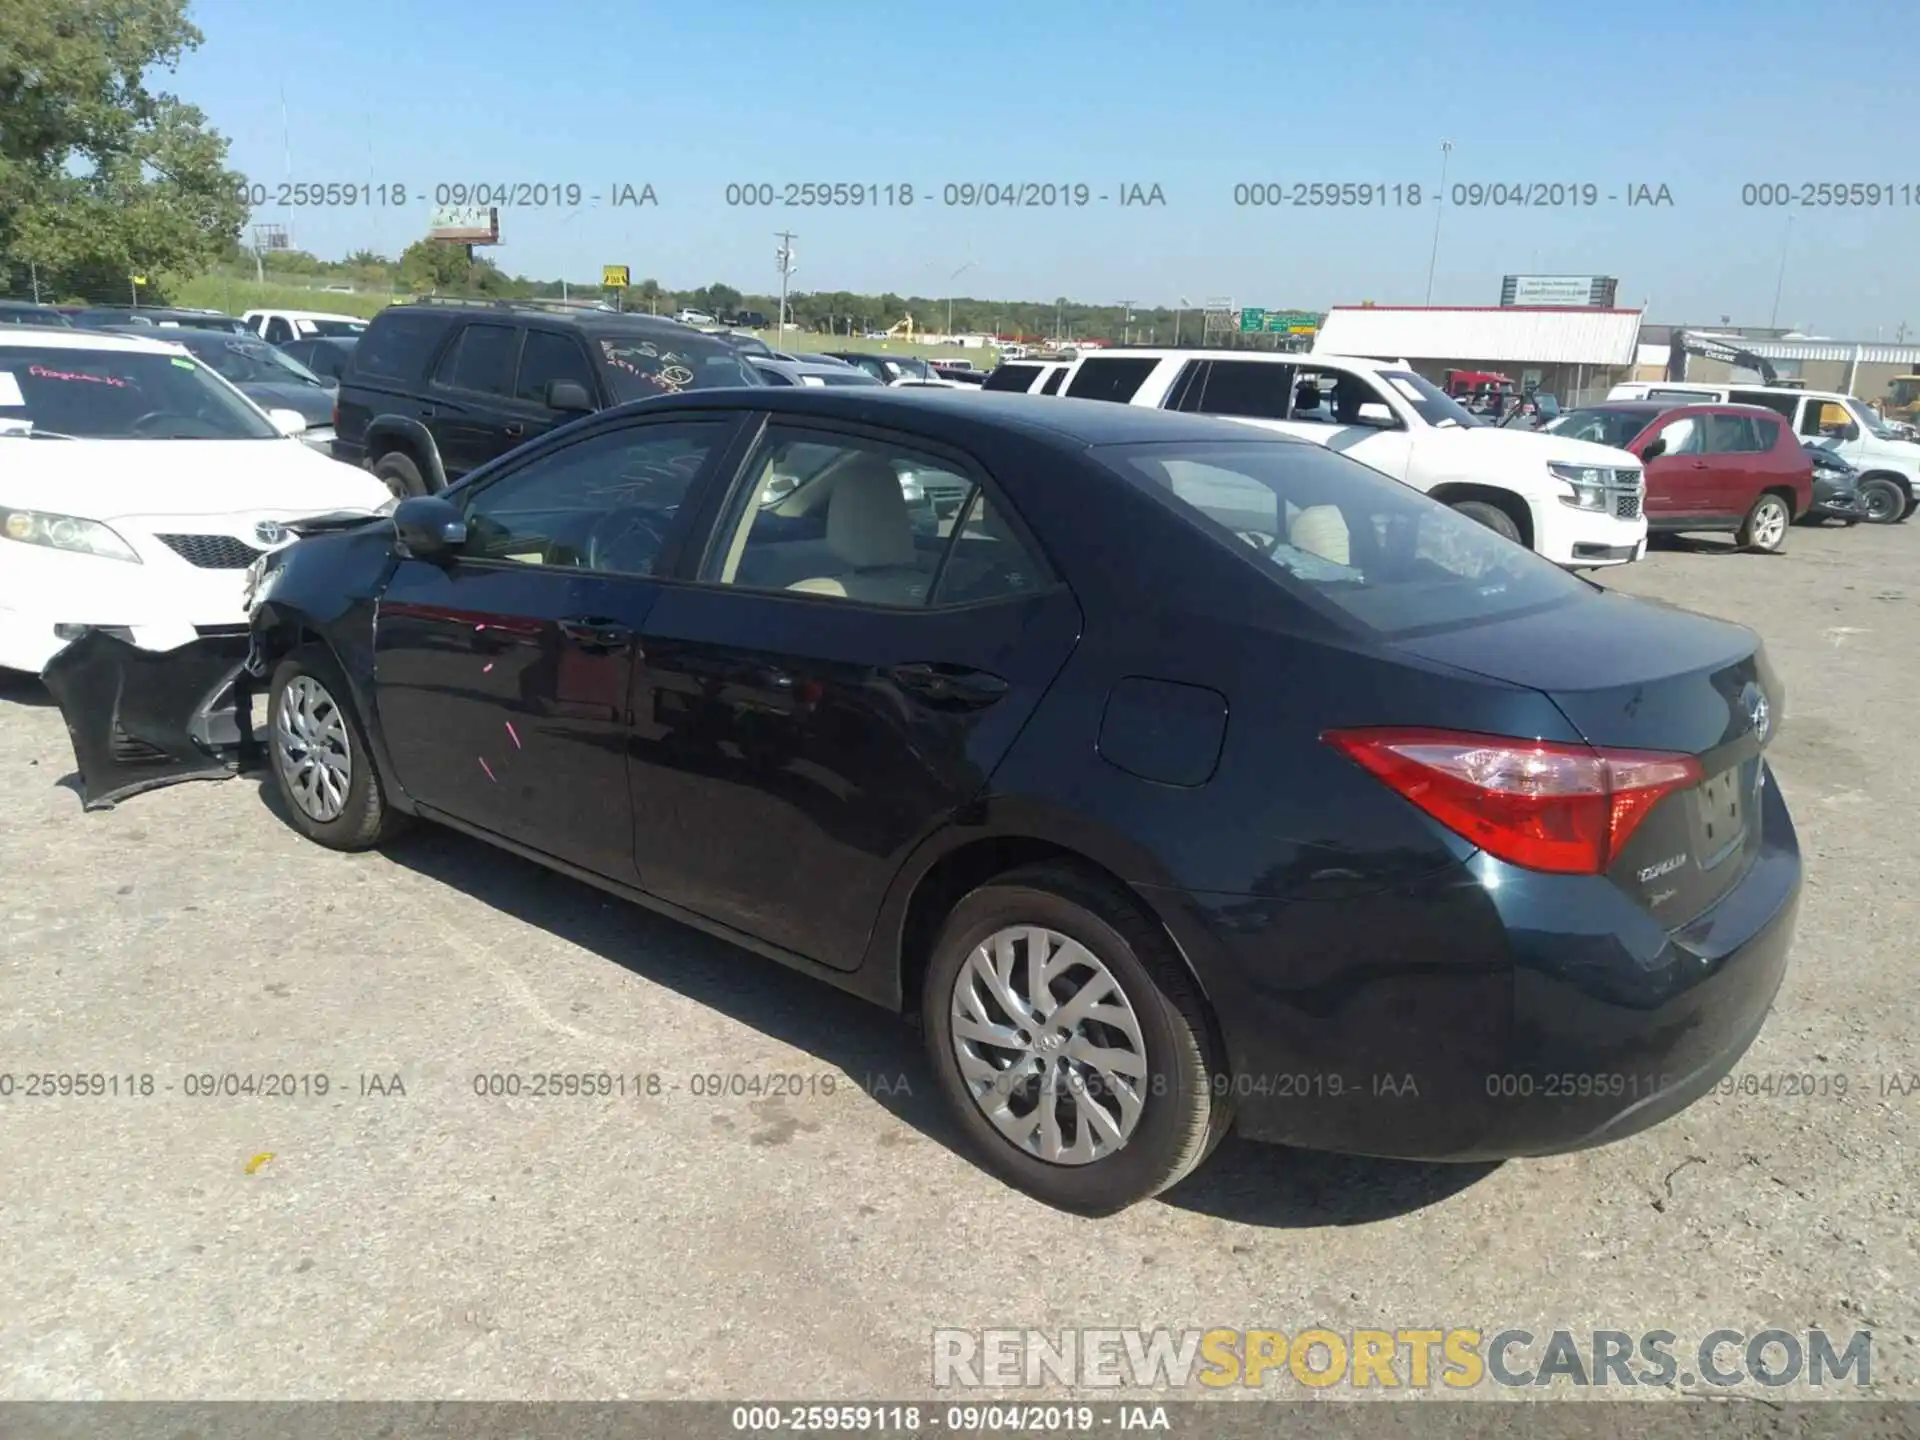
140, 719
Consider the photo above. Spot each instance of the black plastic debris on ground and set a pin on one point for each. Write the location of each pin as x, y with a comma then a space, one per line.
140, 719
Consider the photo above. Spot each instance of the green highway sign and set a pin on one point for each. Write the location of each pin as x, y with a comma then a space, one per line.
1252, 320
1291, 322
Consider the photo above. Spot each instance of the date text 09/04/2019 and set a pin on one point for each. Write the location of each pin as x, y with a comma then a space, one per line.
959, 194
1462, 194
456, 194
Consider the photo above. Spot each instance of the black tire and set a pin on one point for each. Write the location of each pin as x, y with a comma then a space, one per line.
1769, 517
364, 819
1491, 516
400, 475
1185, 1108
1884, 501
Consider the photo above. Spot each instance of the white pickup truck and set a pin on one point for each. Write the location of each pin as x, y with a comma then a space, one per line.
1578, 504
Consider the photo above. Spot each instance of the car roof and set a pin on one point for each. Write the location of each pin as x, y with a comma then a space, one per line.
52, 338
1262, 357
951, 415
1660, 407
311, 315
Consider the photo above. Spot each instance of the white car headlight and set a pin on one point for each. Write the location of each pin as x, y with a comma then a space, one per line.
1587, 484
65, 532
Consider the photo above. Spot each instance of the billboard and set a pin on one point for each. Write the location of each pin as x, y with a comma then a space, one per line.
1589, 291
466, 224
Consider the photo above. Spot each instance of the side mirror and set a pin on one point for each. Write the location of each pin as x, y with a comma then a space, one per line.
1376, 414
1653, 450
288, 422
428, 527
569, 396
1852, 432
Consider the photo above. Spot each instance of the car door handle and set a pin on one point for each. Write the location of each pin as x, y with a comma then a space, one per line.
949, 686
513, 429
592, 632
1699, 464
427, 412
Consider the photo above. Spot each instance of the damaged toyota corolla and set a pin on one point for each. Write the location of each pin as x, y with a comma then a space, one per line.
1178, 777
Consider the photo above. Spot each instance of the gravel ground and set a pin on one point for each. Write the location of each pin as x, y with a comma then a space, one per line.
408, 1238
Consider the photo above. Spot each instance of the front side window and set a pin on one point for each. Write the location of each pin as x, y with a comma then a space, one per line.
606, 503
1331, 397
1684, 436
546, 357
1343, 536
1599, 426
120, 395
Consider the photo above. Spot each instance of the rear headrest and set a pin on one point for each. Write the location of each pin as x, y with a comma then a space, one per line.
868, 524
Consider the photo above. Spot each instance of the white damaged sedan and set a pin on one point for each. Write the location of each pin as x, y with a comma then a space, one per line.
136, 488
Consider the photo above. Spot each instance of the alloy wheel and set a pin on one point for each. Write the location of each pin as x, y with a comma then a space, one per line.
311, 748
1049, 1046
1769, 523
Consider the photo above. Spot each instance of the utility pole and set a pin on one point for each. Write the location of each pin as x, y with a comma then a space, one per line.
1440, 205
783, 258
1126, 322
1786, 240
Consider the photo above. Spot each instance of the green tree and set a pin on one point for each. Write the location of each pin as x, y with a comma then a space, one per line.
101, 177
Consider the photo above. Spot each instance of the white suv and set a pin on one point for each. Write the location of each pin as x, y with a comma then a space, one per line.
1576, 503
1889, 466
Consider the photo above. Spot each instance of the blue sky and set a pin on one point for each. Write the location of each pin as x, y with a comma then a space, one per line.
1194, 97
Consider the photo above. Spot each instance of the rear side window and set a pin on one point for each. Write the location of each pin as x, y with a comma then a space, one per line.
1114, 377
482, 359
396, 346
1011, 377
1342, 536
1246, 388
1779, 404
1769, 432
1731, 435
1051, 386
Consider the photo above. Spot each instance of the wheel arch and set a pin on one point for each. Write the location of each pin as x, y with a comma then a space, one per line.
1511, 503
389, 433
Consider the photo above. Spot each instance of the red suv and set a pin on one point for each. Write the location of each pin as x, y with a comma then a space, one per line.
1709, 467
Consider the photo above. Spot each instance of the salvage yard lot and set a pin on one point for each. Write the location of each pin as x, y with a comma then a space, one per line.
702, 1236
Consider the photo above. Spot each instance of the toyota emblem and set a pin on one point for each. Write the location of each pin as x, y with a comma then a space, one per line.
269, 532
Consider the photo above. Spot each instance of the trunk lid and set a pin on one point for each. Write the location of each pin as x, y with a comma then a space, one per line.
1639, 675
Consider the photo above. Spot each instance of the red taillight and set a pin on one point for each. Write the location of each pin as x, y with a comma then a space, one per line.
1569, 809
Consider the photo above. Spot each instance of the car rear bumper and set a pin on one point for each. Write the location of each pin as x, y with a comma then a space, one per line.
1486, 1012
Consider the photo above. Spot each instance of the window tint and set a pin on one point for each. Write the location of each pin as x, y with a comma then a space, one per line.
278, 329
1247, 388
604, 504
1782, 404
1328, 397
1114, 377
1767, 431
481, 359
396, 345
1051, 385
858, 520
1342, 536
1731, 435
986, 560
1010, 377
546, 357
1684, 436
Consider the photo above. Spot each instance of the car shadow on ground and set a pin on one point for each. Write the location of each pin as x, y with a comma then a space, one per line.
1246, 1183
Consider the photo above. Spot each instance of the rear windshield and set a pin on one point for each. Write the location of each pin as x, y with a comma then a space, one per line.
1344, 535
1603, 427
637, 368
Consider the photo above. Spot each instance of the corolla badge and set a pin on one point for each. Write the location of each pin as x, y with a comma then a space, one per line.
1758, 712
269, 532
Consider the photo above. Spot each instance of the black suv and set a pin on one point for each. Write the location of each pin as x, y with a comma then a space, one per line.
438, 387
